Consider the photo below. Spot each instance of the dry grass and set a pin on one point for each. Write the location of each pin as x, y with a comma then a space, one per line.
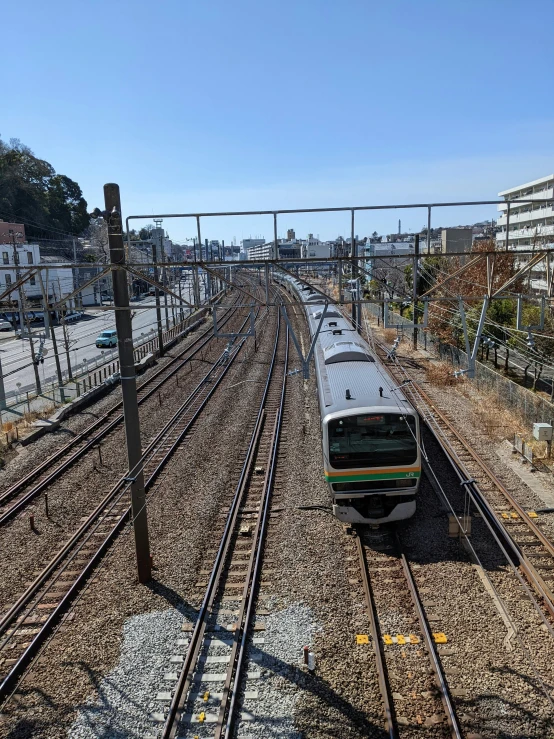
442, 374
389, 335
496, 420
13, 430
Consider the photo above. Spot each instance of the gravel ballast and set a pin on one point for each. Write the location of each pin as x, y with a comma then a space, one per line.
125, 694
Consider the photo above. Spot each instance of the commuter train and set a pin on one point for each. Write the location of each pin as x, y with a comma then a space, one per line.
370, 432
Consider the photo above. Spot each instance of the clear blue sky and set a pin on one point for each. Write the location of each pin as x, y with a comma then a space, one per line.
251, 105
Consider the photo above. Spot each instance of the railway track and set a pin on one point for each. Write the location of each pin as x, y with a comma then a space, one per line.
515, 529
29, 622
413, 686
232, 583
15, 498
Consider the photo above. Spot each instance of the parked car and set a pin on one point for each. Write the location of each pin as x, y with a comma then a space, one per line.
13, 316
73, 316
6, 326
107, 338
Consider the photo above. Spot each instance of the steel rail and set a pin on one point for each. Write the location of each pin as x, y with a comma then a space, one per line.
436, 667
185, 678
382, 673
253, 574
120, 487
161, 375
547, 543
453, 724
511, 549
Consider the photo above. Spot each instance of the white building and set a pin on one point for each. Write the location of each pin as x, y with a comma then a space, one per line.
530, 223
260, 250
247, 244
312, 247
57, 279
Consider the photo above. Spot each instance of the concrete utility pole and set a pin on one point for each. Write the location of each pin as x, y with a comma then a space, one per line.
157, 299
164, 281
17, 278
49, 330
128, 380
415, 286
354, 274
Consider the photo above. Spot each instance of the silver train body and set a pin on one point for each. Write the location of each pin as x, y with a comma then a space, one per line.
370, 432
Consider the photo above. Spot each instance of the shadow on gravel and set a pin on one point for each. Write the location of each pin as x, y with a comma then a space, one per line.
168, 594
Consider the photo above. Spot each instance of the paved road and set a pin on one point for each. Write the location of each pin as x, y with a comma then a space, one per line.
15, 354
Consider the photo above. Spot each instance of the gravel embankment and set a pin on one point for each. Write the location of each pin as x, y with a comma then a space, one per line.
100, 675
79, 490
185, 507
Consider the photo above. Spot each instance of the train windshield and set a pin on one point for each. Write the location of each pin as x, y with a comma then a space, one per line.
372, 440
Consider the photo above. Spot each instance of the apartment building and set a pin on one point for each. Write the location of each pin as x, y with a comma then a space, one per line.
532, 223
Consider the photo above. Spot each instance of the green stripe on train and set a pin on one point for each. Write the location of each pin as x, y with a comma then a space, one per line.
365, 476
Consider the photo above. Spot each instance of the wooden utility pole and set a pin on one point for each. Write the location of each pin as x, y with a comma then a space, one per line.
124, 328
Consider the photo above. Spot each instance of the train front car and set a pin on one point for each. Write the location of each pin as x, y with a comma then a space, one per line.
370, 431
372, 464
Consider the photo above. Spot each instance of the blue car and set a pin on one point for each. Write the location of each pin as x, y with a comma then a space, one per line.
107, 338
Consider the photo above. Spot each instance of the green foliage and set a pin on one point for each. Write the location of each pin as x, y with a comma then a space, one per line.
31, 192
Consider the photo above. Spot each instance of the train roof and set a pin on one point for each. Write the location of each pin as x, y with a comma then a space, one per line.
346, 362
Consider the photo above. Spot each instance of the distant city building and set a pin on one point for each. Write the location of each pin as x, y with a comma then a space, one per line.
259, 250
247, 244
456, 240
530, 223
291, 236
312, 247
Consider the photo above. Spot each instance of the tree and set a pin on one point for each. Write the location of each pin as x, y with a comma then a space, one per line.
31, 192
66, 205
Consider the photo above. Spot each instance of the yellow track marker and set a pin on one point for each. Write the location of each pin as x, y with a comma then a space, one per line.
440, 638
414, 639
387, 639
201, 717
532, 514
400, 639
362, 639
